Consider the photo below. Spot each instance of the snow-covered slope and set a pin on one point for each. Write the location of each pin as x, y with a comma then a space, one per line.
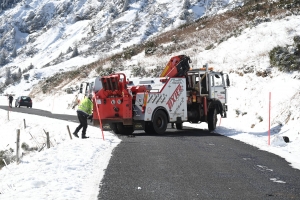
41, 32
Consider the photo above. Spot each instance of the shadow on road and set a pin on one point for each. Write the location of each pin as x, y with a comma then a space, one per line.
233, 132
185, 132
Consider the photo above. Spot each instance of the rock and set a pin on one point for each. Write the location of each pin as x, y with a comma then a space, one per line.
286, 139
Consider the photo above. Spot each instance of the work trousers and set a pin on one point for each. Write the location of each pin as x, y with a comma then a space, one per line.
83, 123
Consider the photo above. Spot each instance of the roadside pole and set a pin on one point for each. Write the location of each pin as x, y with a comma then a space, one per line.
8, 110
269, 132
99, 117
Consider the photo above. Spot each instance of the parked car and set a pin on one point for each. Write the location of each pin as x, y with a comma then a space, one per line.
23, 101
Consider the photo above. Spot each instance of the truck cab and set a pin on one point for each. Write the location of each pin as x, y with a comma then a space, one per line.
209, 83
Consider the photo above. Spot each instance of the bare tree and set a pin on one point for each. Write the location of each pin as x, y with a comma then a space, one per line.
19, 74
14, 53
108, 34
75, 52
8, 77
69, 50
125, 5
2, 58
186, 4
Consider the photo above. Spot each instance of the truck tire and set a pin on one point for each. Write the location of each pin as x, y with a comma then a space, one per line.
179, 126
149, 128
212, 119
113, 127
124, 130
160, 122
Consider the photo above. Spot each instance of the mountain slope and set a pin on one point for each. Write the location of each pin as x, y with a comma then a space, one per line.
43, 30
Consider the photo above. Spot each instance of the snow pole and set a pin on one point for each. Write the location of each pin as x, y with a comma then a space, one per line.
269, 132
8, 110
100, 122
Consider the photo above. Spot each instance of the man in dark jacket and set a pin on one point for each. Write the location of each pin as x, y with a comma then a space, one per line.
10, 98
84, 112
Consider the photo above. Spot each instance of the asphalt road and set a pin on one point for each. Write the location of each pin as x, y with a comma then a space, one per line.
190, 164
195, 164
39, 112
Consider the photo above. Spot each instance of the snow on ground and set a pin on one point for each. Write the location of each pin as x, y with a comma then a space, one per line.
74, 168
70, 169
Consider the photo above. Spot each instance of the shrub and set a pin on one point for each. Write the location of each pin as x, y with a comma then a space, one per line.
26, 147
107, 71
286, 58
8, 156
138, 71
99, 69
209, 47
128, 53
150, 47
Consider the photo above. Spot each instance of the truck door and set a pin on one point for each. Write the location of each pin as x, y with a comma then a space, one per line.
218, 87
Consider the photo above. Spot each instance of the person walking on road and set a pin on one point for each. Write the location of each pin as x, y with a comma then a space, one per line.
84, 112
10, 98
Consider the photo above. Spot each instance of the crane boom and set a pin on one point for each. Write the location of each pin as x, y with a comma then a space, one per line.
177, 67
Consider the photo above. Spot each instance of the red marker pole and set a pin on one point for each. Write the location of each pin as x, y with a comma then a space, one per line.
269, 117
99, 117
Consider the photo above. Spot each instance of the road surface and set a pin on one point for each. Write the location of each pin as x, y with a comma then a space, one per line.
190, 164
39, 112
195, 164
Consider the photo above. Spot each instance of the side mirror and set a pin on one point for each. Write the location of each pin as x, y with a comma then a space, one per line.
227, 81
80, 90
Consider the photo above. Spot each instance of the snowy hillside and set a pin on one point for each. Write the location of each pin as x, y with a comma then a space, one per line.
44, 33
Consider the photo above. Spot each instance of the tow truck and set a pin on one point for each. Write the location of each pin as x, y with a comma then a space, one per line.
180, 94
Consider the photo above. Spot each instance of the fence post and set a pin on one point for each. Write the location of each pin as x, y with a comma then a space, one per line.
18, 145
24, 123
48, 139
269, 132
69, 131
4, 162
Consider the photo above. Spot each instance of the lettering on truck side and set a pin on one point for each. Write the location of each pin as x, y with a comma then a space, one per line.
173, 98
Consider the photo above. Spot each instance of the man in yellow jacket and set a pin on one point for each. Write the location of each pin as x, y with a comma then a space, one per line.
84, 112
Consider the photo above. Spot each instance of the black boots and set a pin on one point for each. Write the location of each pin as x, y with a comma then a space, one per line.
83, 136
76, 135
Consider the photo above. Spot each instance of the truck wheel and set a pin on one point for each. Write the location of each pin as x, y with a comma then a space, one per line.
179, 126
149, 128
160, 122
212, 119
124, 130
113, 127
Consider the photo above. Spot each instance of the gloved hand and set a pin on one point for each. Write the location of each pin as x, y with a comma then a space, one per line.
90, 117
